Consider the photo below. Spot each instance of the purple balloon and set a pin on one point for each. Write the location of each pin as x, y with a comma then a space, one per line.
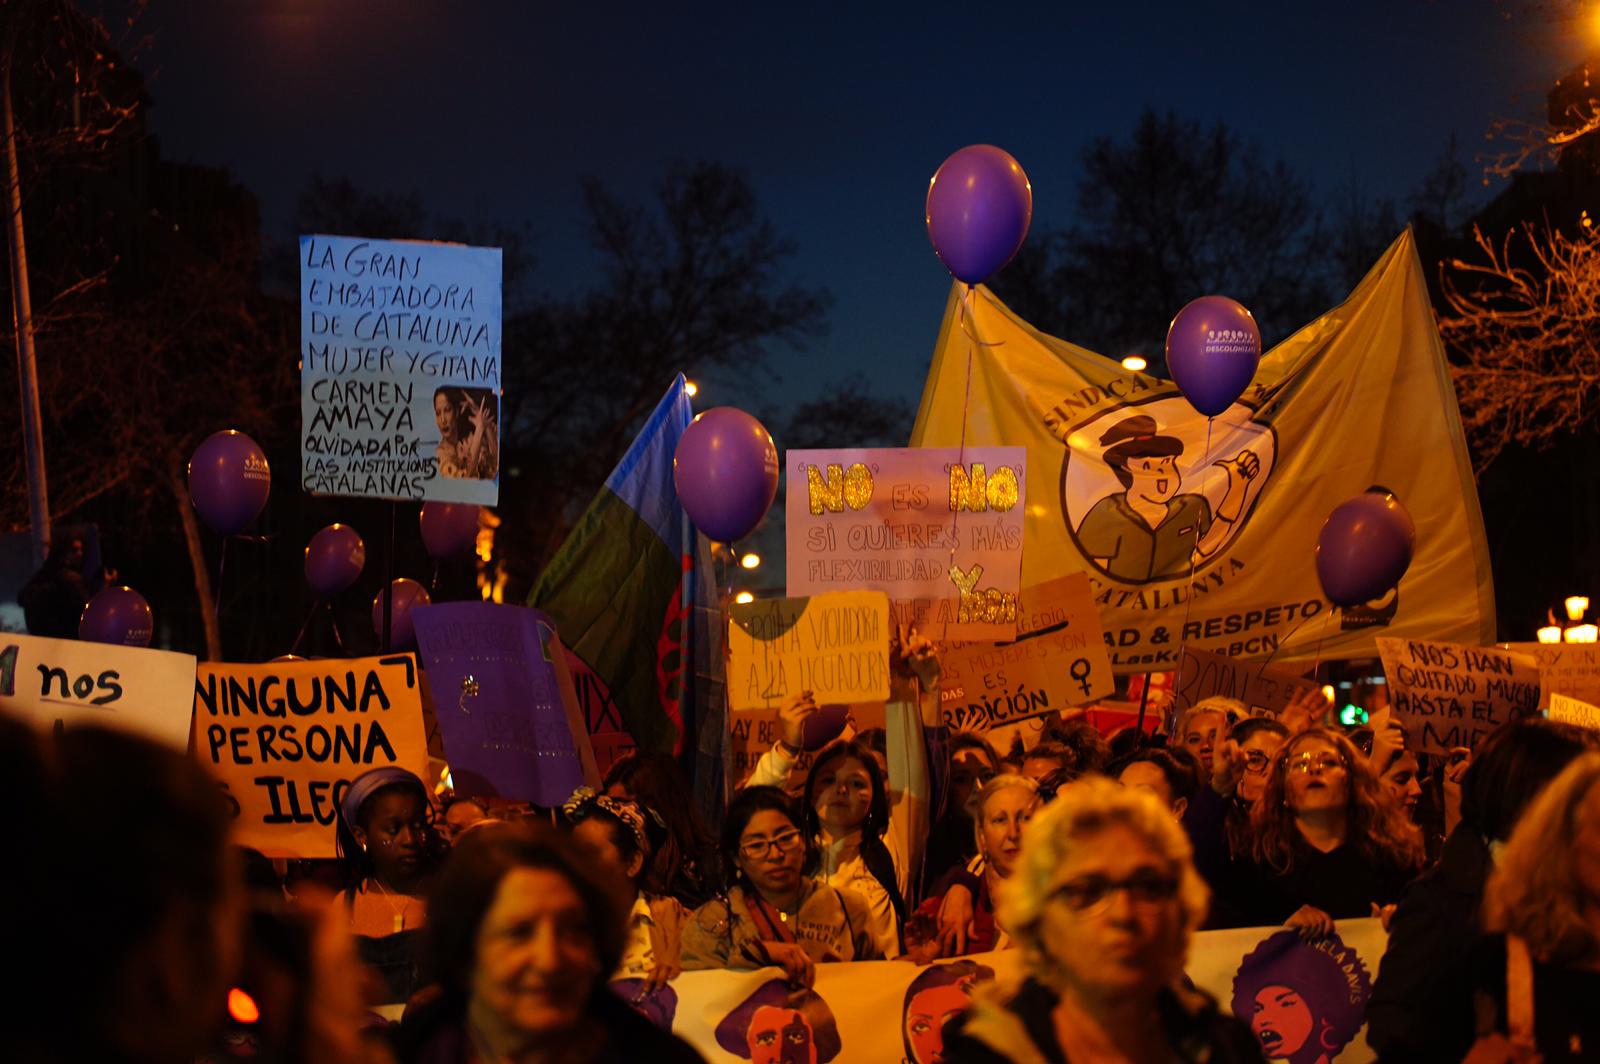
229, 481
1364, 548
408, 595
726, 472
117, 615
1213, 348
448, 528
823, 726
978, 209
334, 559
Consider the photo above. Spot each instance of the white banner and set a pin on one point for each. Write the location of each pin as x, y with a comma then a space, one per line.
1288, 990
400, 362
150, 692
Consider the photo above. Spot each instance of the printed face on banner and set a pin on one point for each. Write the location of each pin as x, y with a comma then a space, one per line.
777, 1025
400, 367
938, 529
1152, 490
286, 739
1305, 1001
938, 994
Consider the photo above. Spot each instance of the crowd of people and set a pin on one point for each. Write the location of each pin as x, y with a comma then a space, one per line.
465, 929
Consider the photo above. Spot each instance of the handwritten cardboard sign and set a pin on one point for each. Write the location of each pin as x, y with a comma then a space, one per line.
504, 701
1202, 675
400, 366
285, 740
1571, 669
1451, 695
752, 733
938, 529
834, 645
1573, 711
77, 682
1058, 659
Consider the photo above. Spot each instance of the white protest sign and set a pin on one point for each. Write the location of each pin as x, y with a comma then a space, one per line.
400, 368
150, 692
1571, 669
835, 645
1452, 695
1572, 711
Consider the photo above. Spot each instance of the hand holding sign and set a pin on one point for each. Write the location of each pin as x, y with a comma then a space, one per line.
915, 657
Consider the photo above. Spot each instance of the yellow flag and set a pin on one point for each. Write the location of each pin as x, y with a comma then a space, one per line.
1204, 530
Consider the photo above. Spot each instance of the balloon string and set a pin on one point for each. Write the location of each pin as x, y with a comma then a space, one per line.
1286, 639
433, 585
222, 565
333, 619
961, 459
312, 612
966, 315
1188, 601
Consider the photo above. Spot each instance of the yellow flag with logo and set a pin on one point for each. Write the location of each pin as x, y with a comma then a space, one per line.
1203, 531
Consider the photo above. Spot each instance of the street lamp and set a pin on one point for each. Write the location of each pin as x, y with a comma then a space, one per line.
750, 561
1134, 363
691, 389
1577, 606
743, 597
1550, 633
1582, 633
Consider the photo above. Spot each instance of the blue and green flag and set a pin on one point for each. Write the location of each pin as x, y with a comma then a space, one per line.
622, 590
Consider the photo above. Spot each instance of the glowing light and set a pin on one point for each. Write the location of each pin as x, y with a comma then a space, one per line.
1327, 691
1582, 633
1577, 606
242, 1007
1135, 363
743, 597
1550, 634
750, 561
691, 389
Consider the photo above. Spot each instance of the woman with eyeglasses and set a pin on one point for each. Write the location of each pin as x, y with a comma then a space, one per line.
773, 913
867, 830
1103, 903
1328, 842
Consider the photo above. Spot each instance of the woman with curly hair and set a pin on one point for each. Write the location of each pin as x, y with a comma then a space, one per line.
1104, 904
1539, 975
1329, 843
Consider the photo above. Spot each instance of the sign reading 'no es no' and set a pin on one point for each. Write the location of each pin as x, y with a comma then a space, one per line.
937, 529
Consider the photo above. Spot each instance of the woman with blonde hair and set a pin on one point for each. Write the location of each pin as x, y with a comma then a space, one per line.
1003, 808
1539, 976
1329, 843
1103, 903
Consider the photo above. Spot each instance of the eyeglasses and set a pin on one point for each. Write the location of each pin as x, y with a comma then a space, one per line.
783, 842
1256, 762
1092, 894
1321, 762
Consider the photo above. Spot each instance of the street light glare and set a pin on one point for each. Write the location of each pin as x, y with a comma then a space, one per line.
1134, 363
744, 596
750, 561
691, 388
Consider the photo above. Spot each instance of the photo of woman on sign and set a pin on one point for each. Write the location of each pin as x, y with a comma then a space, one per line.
469, 432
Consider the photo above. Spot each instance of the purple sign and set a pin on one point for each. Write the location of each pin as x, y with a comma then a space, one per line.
492, 672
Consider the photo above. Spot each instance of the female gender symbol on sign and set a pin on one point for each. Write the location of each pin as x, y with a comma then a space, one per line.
1080, 671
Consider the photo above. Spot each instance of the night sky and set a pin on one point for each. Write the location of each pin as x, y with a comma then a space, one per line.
838, 115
